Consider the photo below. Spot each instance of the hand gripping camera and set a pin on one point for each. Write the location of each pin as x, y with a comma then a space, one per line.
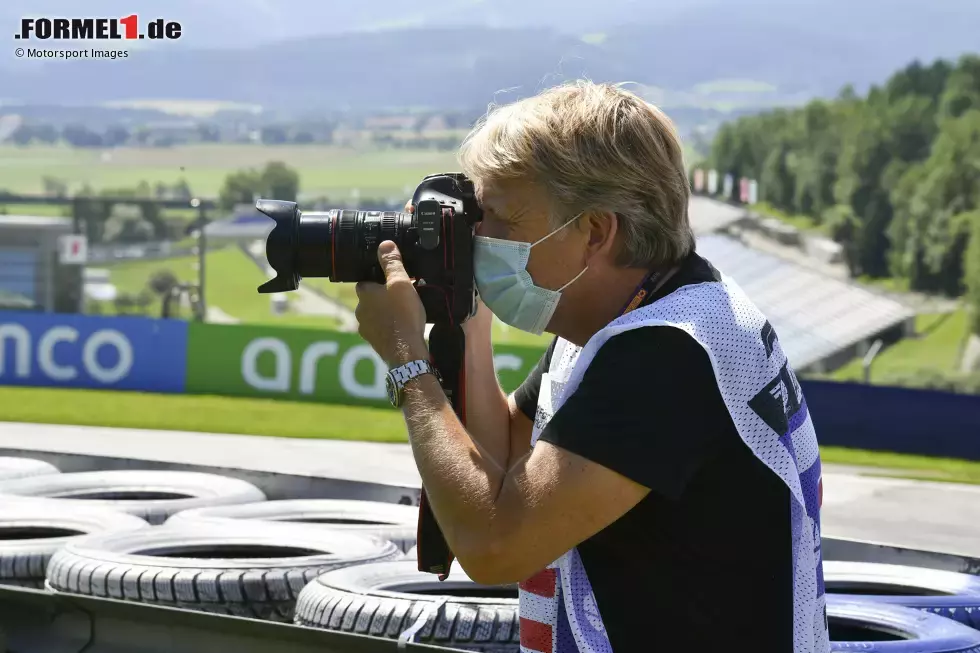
436, 243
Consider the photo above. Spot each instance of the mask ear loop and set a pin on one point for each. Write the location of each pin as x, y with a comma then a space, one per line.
570, 221
584, 270
544, 238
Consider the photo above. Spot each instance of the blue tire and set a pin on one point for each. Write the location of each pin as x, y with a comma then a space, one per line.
946, 593
862, 625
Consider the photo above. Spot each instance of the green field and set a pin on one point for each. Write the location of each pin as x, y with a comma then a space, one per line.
211, 414
231, 282
937, 347
324, 170
207, 414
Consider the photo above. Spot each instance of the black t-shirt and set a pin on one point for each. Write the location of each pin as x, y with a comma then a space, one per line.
704, 561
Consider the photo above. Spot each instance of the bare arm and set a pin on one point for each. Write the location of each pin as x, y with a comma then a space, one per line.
493, 419
545, 504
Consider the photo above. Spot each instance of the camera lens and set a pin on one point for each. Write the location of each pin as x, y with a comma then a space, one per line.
340, 245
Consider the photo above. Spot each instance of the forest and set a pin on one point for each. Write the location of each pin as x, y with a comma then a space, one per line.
894, 176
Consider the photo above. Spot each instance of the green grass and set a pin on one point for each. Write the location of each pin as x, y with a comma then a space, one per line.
231, 282
210, 414
324, 170
937, 346
889, 284
801, 222
904, 465
45, 210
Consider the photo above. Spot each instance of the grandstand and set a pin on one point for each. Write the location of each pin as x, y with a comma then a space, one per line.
822, 322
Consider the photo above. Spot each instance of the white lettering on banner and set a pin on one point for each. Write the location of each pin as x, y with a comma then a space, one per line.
281, 380
312, 356
103, 338
348, 381
506, 362
45, 353
22, 349
284, 363
59, 371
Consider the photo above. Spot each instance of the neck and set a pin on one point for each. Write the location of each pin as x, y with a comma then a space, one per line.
607, 297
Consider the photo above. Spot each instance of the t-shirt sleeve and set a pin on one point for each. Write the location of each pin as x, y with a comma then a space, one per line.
526, 395
648, 407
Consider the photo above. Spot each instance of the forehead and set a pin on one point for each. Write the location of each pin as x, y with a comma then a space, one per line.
508, 196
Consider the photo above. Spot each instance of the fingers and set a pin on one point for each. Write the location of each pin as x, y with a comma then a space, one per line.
363, 287
409, 207
391, 262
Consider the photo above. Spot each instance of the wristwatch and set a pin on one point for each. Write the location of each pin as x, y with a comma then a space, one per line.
397, 377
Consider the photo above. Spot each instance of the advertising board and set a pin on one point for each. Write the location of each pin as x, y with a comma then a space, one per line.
306, 364
78, 351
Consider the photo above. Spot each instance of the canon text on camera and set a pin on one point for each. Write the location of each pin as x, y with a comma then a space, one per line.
127, 27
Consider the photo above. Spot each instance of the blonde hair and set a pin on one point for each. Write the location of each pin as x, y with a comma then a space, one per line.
593, 147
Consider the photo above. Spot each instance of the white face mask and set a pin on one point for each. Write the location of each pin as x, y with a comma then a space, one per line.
500, 268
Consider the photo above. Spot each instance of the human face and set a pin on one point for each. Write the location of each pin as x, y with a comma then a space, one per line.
519, 211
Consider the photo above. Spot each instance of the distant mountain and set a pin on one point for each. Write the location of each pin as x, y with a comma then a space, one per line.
467, 53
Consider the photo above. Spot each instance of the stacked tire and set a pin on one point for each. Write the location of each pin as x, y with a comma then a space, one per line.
215, 544
247, 571
394, 522
948, 594
183, 539
396, 601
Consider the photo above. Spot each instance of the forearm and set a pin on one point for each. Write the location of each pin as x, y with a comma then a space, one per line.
487, 416
462, 484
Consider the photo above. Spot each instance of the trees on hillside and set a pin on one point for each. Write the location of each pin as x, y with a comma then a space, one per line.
894, 176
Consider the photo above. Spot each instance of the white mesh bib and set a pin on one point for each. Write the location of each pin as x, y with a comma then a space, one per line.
558, 609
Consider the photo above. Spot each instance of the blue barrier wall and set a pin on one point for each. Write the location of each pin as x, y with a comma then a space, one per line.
903, 420
77, 351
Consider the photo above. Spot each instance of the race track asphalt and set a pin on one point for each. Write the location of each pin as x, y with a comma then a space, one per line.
915, 514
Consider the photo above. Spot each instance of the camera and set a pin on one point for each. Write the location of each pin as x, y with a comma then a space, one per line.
436, 243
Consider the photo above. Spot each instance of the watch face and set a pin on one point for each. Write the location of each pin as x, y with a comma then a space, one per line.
392, 389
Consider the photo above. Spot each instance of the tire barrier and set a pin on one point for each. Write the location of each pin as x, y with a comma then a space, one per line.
12, 468
395, 600
861, 625
32, 531
149, 494
389, 521
246, 571
946, 593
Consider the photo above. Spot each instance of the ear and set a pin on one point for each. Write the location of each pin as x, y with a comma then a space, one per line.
603, 227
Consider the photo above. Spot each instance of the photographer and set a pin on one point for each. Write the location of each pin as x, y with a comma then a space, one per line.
654, 483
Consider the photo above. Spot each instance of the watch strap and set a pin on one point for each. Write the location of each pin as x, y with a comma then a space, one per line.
410, 370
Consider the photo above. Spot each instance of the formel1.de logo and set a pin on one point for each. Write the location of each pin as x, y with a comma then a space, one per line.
97, 29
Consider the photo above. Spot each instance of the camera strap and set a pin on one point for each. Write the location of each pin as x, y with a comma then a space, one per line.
646, 288
447, 348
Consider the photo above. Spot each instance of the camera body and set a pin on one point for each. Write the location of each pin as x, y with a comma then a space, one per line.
436, 243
